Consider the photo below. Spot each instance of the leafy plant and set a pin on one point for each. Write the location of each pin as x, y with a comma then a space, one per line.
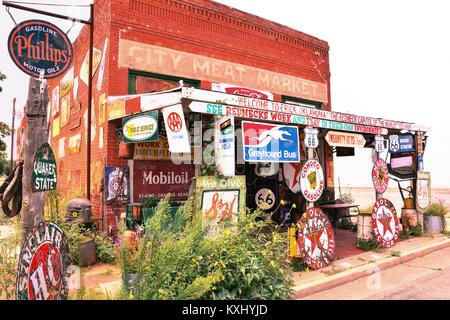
298, 265
105, 249
395, 253
345, 224
436, 208
9, 257
368, 244
149, 202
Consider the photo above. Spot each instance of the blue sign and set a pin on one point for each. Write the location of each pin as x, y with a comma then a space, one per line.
265, 142
37, 46
401, 144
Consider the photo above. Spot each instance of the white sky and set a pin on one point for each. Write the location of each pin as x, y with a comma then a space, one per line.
389, 59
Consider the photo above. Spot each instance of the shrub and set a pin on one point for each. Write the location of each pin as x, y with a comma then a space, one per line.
106, 251
367, 244
9, 258
436, 208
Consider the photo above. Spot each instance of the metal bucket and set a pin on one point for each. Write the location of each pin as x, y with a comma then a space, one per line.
408, 203
409, 215
432, 224
365, 227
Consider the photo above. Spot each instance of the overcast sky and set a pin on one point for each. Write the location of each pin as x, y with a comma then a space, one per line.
389, 59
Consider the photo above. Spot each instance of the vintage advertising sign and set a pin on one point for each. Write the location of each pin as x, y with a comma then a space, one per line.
379, 144
176, 130
311, 139
265, 199
43, 264
66, 83
221, 201
423, 191
265, 142
242, 91
74, 145
312, 181
385, 223
158, 179
400, 144
224, 146
117, 185
84, 71
155, 150
38, 47
344, 139
140, 128
380, 176
291, 173
44, 174
315, 239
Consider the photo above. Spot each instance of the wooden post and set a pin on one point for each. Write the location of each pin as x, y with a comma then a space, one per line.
36, 135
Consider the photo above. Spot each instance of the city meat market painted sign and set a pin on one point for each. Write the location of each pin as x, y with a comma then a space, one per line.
37, 46
385, 223
44, 174
315, 239
380, 176
43, 264
158, 179
265, 142
257, 114
140, 128
312, 181
344, 139
221, 201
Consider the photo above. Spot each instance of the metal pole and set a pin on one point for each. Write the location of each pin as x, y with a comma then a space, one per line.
11, 166
89, 110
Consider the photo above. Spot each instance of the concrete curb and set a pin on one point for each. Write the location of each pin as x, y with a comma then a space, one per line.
362, 271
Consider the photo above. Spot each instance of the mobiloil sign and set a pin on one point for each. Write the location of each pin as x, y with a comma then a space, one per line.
38, 47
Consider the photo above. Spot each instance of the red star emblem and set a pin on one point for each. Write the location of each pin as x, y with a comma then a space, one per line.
386, 222
297, 168
314, 237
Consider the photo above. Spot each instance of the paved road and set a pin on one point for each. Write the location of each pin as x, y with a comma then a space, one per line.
425, 278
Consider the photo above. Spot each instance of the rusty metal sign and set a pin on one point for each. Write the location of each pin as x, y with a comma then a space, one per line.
380, 176
43, 264
385, 223
316, 239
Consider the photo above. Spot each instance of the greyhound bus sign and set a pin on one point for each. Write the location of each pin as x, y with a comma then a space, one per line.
265, 142
38, 47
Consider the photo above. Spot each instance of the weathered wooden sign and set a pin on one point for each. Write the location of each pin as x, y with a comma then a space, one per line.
344, 139
316, 239
44, 174
43, 264
385, 223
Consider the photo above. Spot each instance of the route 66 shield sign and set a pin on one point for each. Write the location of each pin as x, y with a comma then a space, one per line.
394, 144
311, 140
379, 144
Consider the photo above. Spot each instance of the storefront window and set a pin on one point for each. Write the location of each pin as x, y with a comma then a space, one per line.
142, 82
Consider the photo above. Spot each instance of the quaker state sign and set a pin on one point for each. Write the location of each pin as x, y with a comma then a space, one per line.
385, 223
44, 174
43, 264
311, 180
380, 176
316, 239
38, 46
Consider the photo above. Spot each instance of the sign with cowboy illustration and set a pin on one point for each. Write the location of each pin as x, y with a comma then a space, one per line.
315, 239
44, 174
385, 223
265, 142
38, 47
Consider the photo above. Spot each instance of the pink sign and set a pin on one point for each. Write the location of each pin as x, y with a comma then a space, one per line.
401, 162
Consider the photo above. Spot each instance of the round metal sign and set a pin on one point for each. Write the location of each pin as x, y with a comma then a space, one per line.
316, 239
38, 47
380, 176
312, 181
44, 174
43, 264
385, 223
265, 199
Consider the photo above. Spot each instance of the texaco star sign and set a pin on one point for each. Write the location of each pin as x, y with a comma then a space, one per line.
385, 223
316, 239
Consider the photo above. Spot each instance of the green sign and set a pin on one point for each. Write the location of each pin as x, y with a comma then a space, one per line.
140, 128
44, 169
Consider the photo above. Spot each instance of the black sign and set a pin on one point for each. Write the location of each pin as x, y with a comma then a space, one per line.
37, 46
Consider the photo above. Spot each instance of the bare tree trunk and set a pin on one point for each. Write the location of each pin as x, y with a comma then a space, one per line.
36, 135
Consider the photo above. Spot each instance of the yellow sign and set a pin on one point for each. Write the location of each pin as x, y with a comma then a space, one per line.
155, 150
56, 127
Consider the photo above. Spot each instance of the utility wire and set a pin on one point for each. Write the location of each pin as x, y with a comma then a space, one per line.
50, 4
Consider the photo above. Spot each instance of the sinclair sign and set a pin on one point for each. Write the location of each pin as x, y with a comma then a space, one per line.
38, 47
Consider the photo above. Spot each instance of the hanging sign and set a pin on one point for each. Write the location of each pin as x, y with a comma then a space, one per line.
140, 128
312, 181
423, 191
265, 142
221, 201
224, 146
379, 144
44, 174
43, 264
385, 223
400, 144
38, 47
116, 182
291, 173
177, 133
315, 239
344, 139
311, 137
265, 199
380, 176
